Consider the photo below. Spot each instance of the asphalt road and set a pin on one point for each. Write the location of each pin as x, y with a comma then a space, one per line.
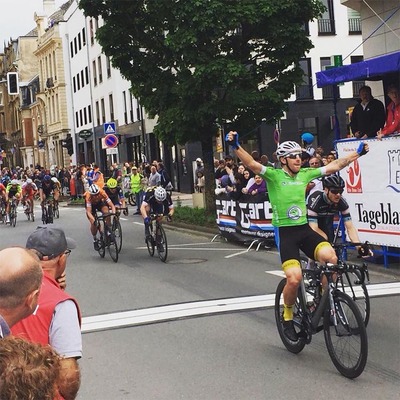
186, 329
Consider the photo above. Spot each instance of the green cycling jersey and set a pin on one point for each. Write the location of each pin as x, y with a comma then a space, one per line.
287, 194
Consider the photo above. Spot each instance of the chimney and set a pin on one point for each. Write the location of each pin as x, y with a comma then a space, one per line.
49, 7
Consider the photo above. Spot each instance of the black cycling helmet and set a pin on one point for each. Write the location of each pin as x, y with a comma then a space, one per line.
333, 181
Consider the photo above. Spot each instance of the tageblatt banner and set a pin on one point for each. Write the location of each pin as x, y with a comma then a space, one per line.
246, 219
373, 189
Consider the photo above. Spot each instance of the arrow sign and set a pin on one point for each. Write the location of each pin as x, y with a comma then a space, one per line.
111, 141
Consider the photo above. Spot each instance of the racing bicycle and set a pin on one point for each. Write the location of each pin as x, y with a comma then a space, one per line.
107, 236
116, 226
47, 210
13, 212
158, 238
328, 309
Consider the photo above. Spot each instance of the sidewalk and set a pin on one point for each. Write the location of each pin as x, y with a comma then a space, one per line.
185, 199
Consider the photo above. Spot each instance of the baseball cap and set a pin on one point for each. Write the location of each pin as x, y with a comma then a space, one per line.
49, 242
199, 160
134, 167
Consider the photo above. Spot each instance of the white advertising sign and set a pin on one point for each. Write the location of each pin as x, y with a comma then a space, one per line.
373, 189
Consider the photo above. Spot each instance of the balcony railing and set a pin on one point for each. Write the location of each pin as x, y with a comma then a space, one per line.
354, 26
326, 27
304, 92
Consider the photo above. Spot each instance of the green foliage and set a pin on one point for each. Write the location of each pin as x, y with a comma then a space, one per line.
194, 216
193, 63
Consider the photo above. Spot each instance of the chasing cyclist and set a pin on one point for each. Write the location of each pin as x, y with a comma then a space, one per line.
286, 189
29, 189
47, 189
13, 190
322, 206
156, 201
116, 195
96, 199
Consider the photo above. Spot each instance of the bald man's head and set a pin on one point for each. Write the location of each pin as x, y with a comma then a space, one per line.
20, 275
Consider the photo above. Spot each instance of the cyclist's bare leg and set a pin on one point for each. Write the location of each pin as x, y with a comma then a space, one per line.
293, 278
325, 253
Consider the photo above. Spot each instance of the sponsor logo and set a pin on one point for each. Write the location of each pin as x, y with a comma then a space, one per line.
294, 213
353, 181
394, 170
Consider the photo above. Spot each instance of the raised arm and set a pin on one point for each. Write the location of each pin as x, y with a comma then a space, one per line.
343, 162
232, 138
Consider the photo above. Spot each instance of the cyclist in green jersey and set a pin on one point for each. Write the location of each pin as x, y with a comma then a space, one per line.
286, 190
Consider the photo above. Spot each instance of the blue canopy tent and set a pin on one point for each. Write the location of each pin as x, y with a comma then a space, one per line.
372, 69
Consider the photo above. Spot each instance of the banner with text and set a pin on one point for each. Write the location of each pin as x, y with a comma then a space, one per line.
373, 189
248, 218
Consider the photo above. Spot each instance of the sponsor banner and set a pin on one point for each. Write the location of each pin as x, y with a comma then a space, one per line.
373, 189
248, 218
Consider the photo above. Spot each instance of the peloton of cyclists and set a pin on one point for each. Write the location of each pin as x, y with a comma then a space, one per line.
29, 189
13, 190
116, 195
96, 199
286, 189
156, 201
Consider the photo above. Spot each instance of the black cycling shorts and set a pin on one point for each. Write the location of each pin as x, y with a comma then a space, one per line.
293, 238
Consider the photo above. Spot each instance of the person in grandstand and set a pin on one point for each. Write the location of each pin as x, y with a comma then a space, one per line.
29, 189
96, 199
13, 190
48, 188
322, 206
3, 194
156, 201
116, 195
286, 189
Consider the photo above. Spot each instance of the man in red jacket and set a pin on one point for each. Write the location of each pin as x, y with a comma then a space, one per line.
57, 319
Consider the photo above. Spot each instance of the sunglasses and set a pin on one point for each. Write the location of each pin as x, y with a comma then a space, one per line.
293, 156
336, 191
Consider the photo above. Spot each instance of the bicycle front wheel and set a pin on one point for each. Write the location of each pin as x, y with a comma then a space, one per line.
44, 215
161, 243
56, 212
117, 230
359, 293
132, 199
111, 244
346, 341
293, 347
13, 217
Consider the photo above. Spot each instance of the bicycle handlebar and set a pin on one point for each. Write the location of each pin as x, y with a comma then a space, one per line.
360, 270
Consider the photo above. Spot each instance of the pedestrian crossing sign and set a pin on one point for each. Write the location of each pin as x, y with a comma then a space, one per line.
109, 127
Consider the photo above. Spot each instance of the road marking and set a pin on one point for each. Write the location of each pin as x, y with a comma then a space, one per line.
172, 312
187, 248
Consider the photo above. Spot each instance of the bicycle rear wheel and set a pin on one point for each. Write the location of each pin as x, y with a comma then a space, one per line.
56, 211
293, 347
359, 293
117, 230
50, 214
44, 215
102, 247
346, 342
161, 243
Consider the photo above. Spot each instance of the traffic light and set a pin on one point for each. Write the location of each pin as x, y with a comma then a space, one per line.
68, 144
12, 83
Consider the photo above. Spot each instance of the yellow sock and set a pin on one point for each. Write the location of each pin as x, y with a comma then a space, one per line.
287, 312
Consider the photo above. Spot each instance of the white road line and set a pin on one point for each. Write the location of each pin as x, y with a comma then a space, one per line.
237, 254
198, 308
188, 248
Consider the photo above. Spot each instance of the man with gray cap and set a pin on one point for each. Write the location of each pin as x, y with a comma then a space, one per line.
20, 281
57, 320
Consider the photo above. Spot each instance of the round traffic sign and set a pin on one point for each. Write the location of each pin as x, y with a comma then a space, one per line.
111, 140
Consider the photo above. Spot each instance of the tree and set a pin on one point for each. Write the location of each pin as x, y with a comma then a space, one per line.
198, 63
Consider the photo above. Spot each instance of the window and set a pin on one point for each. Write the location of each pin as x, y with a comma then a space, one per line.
78, 82
110, 99
100, 69
75, 45
327, 91
87, 75
357, 84
74, 84
326, 24
83, 37
103, 111
108, 66
82, 79
79, 41
94, 73
98, 113
305, 90
77, 119
71, 45
81, 117
90, 114
91, 32
354, 19
85, 116
125, 107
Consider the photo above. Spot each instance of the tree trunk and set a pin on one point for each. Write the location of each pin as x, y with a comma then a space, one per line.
209, 176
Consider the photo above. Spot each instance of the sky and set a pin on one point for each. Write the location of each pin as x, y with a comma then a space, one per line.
16, 17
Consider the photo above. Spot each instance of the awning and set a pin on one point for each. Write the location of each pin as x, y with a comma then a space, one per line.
371, 69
